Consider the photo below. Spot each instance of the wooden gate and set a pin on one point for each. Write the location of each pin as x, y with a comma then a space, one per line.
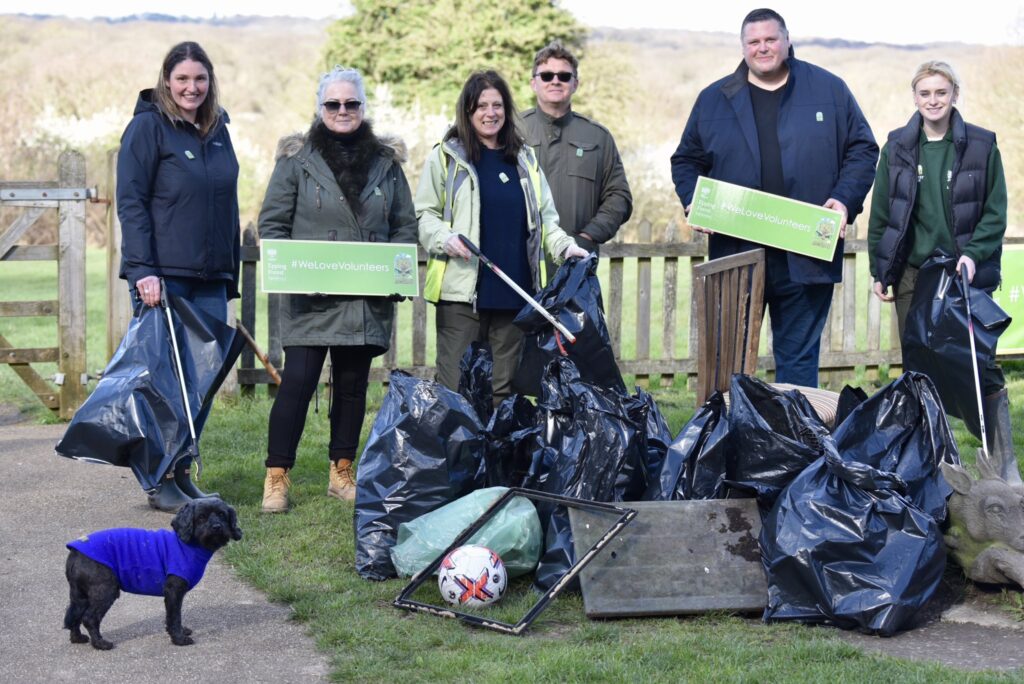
68, 196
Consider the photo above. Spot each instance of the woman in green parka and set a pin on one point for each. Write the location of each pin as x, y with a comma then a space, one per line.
338, 182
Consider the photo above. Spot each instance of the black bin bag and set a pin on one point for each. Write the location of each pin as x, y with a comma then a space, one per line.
902, 429
595, 451
476, 369
773, 436
136, 415
936, 340
424, 451
844, 546
512, 438
573, 297
694, 466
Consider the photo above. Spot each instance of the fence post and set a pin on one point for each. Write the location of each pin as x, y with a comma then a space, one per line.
71, 284
248, 305
119, 308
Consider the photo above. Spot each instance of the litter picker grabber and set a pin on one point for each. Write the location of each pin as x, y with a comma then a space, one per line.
519, 291
974, 359
193, 450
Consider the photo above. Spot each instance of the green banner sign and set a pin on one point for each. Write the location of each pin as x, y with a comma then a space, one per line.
765, 218
1010, 296
340, 268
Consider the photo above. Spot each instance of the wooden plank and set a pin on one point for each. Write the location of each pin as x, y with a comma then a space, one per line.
614, 317
849, 311
119, 305
674, 558
700, 319
643, 302
275, 353
71, 285
31, 253
874, 331
44, 308
17, 229
419, 331
668, 314
29, 355
691, 347
46, 394
248, 287
390, 359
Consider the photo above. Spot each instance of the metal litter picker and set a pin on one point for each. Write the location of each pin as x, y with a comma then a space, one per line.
519, 291
974, 359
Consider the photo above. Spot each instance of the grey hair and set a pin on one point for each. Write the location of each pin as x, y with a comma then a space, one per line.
344, 74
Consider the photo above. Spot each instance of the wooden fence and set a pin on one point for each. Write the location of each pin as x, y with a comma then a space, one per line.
68, 196
648, 300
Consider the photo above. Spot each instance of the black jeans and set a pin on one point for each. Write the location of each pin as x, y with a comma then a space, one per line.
351, 371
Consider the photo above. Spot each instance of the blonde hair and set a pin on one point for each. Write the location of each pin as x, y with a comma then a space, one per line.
936, 68
208, 113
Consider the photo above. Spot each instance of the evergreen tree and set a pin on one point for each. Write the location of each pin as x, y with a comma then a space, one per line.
425, 49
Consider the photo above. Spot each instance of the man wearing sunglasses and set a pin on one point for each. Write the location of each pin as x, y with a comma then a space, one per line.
790, 128
578, 156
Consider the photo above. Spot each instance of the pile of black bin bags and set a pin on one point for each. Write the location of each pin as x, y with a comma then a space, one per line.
429, 447
851, 520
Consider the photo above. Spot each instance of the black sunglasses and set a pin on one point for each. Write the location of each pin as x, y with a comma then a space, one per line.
563, 76
351, 106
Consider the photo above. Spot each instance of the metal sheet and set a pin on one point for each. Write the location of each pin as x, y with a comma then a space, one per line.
677, 557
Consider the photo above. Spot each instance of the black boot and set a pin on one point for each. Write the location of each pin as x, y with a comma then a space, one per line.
999, 435
183, 478
167, 496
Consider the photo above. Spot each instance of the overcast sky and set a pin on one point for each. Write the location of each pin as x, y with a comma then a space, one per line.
974, 21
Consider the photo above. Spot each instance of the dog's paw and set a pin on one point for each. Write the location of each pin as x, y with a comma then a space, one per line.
183, 640
79, 638
102, 645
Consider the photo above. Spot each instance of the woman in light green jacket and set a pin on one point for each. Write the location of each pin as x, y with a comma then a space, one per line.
481, 181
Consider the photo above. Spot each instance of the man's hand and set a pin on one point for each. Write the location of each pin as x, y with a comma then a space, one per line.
149, 289
686, 211
882, 292
968, 262
575, 251
836, 205
453, 247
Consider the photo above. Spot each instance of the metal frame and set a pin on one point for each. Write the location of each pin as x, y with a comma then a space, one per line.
626, 516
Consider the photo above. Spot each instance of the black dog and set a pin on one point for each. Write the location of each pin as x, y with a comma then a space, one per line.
152, 562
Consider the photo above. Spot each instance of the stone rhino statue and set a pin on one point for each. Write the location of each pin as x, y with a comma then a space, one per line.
986, 519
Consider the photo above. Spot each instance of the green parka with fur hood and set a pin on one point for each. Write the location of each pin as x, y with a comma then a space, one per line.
305, 202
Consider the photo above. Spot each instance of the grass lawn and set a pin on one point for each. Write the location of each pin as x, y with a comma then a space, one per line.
305, 559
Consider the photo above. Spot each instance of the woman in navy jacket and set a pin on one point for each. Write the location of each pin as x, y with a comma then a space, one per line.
177, 200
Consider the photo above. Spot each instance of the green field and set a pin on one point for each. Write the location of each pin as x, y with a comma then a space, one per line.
305, 559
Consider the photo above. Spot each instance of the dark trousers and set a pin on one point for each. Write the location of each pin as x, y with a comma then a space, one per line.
458, 326
799, 313
992, 378
351, 372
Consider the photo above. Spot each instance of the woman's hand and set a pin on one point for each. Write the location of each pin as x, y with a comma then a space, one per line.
575, 251
882, 292
453, 247
149, 290
968, 262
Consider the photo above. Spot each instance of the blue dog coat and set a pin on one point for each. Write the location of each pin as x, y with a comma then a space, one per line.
142, 559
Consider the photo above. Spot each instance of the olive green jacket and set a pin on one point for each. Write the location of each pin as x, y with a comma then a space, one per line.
448, 173
304, 202
588, 182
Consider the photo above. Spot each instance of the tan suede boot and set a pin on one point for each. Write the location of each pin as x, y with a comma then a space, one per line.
342, 483
275, 491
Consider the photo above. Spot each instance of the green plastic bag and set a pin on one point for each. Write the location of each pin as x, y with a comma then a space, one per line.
513, 533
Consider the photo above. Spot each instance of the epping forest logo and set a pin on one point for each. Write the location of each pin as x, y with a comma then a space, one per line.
823, 233
403, 269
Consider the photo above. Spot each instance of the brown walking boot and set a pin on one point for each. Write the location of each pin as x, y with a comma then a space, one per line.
275, 491
342, 483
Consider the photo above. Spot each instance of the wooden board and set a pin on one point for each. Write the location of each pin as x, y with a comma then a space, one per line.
675, 558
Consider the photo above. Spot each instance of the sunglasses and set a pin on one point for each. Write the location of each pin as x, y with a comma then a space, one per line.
547, 76
351, 106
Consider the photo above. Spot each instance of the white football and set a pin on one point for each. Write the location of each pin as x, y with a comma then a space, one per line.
472, 575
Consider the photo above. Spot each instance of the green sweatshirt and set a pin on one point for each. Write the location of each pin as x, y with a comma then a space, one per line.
930, 227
